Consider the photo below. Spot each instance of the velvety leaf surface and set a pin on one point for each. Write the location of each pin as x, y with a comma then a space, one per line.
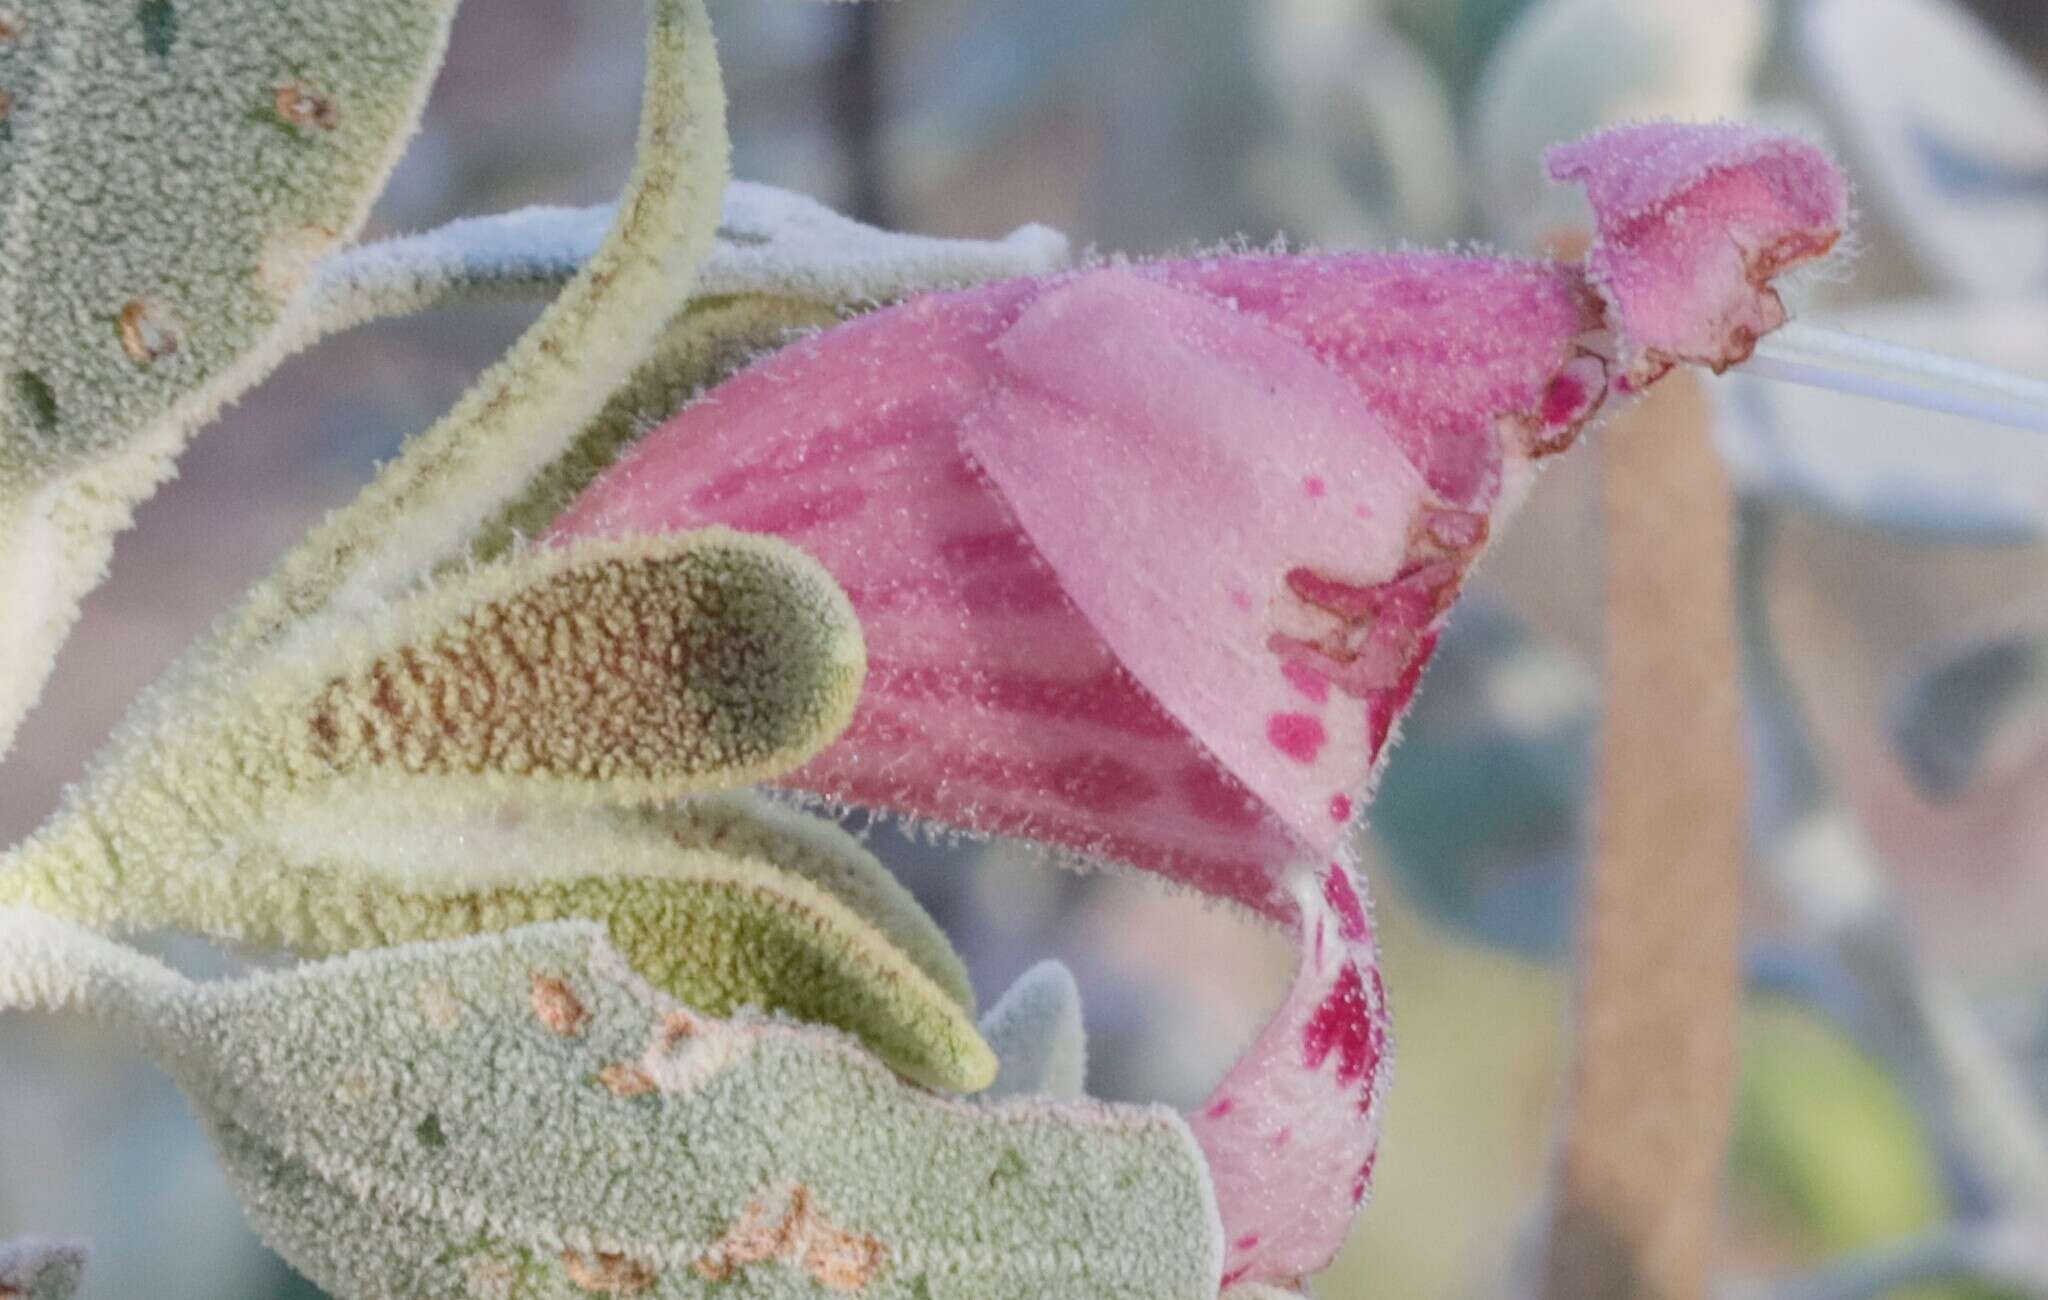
1036, 1032
170, 172
522, 1116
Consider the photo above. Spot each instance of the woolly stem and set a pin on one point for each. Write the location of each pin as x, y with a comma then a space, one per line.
1652, 1090
1849, 363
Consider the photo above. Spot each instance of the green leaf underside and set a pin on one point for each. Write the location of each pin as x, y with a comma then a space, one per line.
170, 171
465, 1136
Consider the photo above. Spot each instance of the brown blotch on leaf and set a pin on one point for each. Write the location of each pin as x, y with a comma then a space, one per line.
12, 25
6, 105
624, 1080
787, 1226
606, 1273
301, 105
558, 1006
676, 1027
148, 329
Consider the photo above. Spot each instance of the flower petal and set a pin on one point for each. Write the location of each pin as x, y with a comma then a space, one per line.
1694, 220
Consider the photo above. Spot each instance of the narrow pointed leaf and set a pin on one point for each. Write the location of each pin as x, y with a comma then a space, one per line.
1036, 1032
770, 241
169, 174
473, 1138
422, 509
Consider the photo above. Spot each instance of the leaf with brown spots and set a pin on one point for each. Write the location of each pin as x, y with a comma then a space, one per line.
149, 157
780, 1154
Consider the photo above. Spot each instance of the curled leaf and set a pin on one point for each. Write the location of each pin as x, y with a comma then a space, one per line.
169, 176
34, 1269
654, 1151
626, 673
1035, 1029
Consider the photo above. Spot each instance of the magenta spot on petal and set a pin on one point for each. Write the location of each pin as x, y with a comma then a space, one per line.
1221, 1107
1564, 399
1236, 1275
1280, 1139
1304, 678
1343, 1026
1240, 598
1343, 900
1340, 808
1314, 485
1321, 933
1300, 736
1248, 1241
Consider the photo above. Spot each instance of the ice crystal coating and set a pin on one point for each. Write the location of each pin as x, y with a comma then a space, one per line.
770, 241
1693, 222
34, 1269
458, 1145
169, 174
1035, 1030
1565, 67
1150, 558
434, 779
627, 674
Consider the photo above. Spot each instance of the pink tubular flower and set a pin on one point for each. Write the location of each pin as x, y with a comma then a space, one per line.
1150, 558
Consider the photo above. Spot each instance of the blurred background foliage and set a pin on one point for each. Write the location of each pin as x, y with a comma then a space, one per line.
1896, 602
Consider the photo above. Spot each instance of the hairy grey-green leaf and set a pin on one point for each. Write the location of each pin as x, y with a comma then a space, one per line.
1036, 1031
410, 1125
770, 241
32, 1268
633, 671
169, 174
421, 509
737, 903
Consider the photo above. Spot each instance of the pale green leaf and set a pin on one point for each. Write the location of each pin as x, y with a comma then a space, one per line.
1037, 1034
34, 1269
170, 172
730, 906
413, 1123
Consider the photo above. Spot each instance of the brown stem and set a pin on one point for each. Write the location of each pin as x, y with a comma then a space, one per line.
1659, 989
